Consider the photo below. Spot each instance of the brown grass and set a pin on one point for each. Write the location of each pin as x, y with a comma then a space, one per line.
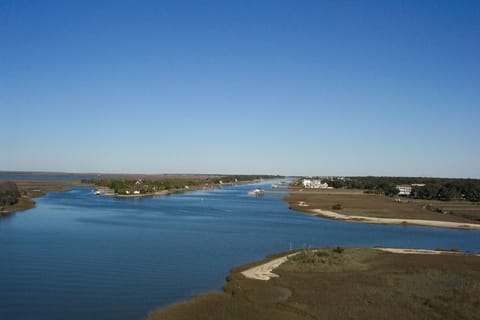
356, 202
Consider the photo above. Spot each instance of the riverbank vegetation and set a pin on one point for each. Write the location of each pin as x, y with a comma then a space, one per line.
346, 283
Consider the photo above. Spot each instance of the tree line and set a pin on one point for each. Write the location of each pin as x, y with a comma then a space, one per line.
121, 186
435, 188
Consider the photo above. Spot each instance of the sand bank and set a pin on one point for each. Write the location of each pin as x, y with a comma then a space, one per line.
363, 219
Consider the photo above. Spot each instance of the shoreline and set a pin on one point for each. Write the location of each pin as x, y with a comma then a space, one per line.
394, 221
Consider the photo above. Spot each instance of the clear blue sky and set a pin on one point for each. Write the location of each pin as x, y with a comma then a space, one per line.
275, 87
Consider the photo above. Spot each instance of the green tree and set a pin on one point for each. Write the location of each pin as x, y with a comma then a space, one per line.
9, 193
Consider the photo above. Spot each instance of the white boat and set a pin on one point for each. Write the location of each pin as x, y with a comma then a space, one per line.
256, 192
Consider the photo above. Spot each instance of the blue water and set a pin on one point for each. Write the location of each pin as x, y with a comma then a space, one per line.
80, 256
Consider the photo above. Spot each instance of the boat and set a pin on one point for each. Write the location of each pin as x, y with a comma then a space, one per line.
98, 192
256, 192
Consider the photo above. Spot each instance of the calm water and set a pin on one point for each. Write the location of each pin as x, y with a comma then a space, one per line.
78, 256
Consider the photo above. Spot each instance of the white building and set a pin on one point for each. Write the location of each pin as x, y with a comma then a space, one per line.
409, 189
404, 189
314, 184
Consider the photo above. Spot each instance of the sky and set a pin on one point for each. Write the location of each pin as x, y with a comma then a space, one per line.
386, 88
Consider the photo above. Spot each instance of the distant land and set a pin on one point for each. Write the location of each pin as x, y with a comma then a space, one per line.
18, 189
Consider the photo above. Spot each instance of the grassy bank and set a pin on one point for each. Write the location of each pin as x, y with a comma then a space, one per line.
334, 283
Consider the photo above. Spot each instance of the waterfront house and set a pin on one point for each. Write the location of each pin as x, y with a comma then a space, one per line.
314, 183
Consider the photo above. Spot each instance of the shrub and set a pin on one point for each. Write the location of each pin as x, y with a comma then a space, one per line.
337, 206
339, 250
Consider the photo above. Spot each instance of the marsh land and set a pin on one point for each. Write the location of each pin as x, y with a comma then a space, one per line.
339, 283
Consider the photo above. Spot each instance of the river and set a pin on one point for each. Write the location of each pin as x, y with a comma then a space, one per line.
80, 256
